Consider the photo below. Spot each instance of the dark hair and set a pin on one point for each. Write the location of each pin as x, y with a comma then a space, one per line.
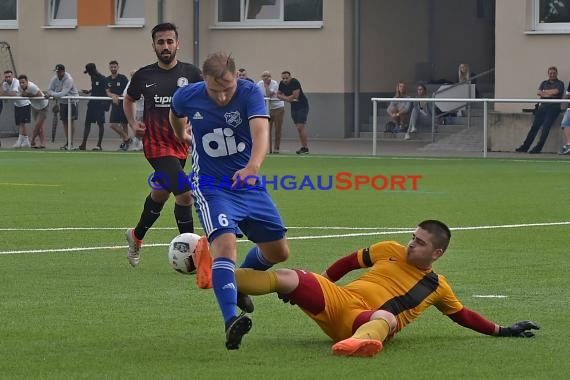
422, 86
441, 235
113, 62
286, 72
218, 64
164, 27
241, 70
22, 76
8, 71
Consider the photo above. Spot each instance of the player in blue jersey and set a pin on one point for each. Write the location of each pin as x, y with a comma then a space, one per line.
229, 136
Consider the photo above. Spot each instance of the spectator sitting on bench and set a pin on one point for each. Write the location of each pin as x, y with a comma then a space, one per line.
399, 111
421, 112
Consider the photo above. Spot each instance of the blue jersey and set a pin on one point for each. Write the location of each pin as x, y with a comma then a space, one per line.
221, 137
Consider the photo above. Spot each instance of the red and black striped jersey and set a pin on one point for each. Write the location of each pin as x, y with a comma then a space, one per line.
156, 86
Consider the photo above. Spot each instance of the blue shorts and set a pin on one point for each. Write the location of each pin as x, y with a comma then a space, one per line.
250, 211
566, 119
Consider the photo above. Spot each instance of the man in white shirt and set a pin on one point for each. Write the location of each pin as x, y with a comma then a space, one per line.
269, 88
39, 109
11, 87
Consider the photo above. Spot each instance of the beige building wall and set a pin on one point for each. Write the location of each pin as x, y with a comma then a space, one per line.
522, 57
315, 56
38, 48
397, 37
321, 58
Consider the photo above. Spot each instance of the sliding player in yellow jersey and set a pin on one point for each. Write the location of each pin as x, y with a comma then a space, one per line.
399, 286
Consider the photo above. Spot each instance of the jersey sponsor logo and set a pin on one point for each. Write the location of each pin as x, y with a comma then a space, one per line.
233, 118
221, 142
182, 81
162, 101
197, 116
149, 85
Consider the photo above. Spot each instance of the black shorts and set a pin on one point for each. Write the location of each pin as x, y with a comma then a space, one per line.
169, 175
118, 114
95, 112
299, 115
23, 115
63, 111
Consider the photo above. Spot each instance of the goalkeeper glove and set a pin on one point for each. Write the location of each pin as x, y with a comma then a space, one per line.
285, 299
520, 329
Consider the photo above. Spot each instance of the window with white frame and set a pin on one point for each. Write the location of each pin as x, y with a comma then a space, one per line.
551, 15
8, 14
129, 12
270, 12
62, 13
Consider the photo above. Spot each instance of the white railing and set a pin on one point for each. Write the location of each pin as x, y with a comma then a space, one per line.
69, 113
62, 103
485, 102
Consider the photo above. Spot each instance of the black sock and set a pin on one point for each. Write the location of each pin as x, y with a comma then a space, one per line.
150, 214
183, 215
101, 133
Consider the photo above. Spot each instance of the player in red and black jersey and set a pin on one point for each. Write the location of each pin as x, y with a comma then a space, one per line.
165, 153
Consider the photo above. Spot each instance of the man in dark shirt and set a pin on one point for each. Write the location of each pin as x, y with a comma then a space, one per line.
156, 83
546, 113
290, 91
116, 84
95, 108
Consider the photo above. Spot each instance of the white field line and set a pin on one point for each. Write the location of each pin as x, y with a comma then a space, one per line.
388, 231
29, 184
198, 228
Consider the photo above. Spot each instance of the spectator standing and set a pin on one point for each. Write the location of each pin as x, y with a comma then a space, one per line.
116, 86
22, 111
546, 113
269, 87
166, 154
566, 126
242, 74
96, 108
399, 110
39, 109
60, 85
290, 91
136, 143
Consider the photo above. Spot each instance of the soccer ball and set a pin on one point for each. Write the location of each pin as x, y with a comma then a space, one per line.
181, 252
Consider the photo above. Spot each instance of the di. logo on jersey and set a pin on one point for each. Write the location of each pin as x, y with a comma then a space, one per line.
221, 142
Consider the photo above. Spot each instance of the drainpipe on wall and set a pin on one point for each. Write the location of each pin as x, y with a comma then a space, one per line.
356, 70
197, 33
160, 11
